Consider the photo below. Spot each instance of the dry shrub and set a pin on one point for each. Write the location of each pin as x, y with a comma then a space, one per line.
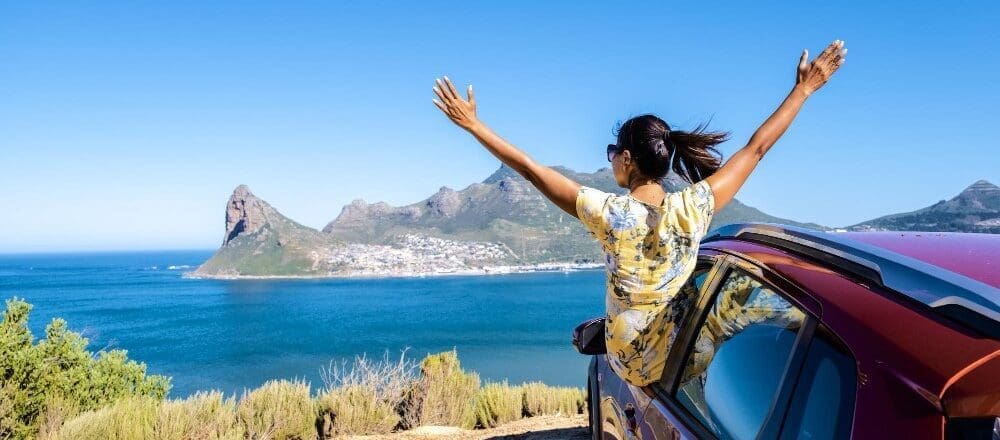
130, 418
571, 400
279, 410
498, 403
541, 399
57, 411
203, 416
444, 394
365, 397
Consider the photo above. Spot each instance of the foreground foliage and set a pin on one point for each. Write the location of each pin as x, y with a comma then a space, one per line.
44, 383
57, 390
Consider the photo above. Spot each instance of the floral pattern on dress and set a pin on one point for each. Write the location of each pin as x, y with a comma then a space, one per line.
650, 251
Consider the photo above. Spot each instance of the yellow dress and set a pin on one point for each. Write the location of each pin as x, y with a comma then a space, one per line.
649, 251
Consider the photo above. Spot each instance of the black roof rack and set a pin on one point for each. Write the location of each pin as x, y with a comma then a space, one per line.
956, 296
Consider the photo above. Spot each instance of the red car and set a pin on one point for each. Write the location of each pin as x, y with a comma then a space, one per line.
792, 333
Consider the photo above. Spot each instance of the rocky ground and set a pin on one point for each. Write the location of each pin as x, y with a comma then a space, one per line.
532, 428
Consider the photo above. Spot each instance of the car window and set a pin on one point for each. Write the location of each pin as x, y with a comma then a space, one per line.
737, 360
823, 404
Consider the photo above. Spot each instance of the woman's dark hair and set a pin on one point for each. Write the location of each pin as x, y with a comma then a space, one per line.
657, 149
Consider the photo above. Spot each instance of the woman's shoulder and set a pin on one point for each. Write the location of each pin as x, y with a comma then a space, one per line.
691, 208
589, 195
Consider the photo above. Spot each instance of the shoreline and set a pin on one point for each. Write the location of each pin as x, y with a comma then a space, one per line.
484, 271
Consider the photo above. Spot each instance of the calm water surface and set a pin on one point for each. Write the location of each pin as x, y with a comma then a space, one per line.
231, 335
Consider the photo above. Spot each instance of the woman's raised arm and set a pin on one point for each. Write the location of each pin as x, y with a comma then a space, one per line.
558, 188
811, 76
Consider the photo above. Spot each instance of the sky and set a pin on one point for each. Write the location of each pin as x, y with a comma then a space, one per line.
126, 125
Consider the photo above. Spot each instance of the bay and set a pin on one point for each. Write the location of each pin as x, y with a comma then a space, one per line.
231, 335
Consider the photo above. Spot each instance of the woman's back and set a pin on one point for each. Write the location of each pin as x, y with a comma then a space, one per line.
650, 251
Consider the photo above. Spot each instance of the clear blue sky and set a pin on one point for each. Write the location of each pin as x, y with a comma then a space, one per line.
126, 125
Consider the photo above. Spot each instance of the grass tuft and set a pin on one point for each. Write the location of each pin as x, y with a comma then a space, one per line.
279, 409
445, 393
498, 403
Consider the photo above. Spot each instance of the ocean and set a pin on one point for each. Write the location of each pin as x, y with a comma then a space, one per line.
232, 335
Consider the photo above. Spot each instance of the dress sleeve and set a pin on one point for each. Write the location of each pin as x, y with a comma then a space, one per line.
592, 207
694, 207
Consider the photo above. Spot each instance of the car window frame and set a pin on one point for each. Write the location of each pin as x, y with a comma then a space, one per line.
672, 364
676, 359
824, 332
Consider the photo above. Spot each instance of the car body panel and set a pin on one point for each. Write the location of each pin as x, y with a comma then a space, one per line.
913, 364
975, 392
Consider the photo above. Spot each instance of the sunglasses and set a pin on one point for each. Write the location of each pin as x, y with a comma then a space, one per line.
614, 149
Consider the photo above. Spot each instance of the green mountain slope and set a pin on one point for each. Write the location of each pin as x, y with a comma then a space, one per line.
505, 208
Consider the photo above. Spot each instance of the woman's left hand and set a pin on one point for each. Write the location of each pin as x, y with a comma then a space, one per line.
460, 111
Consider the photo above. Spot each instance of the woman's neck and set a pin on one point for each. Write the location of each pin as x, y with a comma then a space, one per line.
647, 190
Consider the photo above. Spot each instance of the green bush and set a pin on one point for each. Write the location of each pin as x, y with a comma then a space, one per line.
57, 377
445, 393
279, 410
498, 403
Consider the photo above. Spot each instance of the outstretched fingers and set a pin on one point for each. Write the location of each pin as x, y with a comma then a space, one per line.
444, 98
442, 90
440, 106
833, 52
451, 89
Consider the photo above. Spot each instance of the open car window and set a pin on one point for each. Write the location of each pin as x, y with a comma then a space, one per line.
739, 354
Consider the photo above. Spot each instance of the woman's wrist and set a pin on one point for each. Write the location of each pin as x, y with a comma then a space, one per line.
475, 126
801, 90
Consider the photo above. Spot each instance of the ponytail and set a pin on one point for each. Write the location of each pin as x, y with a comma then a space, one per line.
695, 155
657, 149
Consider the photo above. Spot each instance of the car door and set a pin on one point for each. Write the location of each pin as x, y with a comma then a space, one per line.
744, 345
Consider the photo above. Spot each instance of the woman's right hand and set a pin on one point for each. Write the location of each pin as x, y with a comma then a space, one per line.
460, 111
812, 76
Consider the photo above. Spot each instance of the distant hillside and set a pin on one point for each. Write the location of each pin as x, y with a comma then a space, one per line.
505, 208
976, 209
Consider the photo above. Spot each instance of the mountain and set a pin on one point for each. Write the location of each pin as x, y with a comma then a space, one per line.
499, 223
975, 209
506, 208
259, 241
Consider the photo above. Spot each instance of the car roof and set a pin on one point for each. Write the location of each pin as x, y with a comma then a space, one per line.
950, 293
976, 256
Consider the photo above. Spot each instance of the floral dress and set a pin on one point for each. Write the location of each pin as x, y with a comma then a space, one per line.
649, 252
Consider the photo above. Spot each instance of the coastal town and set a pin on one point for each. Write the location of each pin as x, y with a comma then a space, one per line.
422, 255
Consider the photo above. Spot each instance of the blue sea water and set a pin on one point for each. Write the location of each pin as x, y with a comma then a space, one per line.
233, 335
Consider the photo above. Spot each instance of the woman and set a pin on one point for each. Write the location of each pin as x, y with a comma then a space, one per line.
650, 237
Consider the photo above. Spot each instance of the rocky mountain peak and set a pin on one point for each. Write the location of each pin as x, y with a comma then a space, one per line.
980, 197
245, 213
503, 173
982, 187
446, 202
